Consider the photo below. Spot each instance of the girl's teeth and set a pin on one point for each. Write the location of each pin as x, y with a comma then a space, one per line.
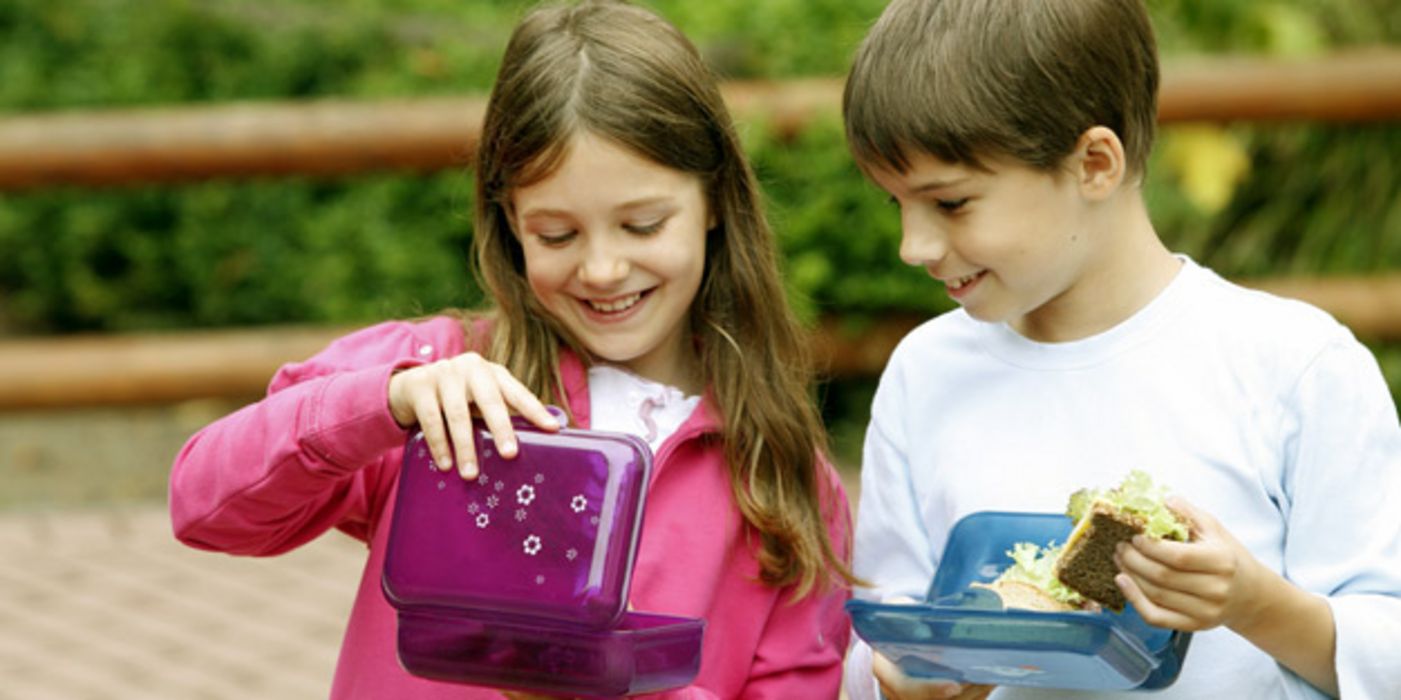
615, 305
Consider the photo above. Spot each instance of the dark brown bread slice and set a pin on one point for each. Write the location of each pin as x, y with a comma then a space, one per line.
1087, 564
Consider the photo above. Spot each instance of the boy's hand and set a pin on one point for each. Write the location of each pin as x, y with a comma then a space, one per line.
1212, 580
895, 685
441, 397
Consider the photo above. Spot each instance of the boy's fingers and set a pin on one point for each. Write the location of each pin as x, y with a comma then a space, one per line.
1199, 522
898, 686
1152, 612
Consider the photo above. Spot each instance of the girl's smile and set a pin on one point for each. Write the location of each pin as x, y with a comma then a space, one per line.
616, 309
614, 247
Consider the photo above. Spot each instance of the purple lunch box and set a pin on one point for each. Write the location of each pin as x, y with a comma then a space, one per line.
519, 578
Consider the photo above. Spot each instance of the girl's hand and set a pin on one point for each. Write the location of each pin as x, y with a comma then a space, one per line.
440, 398
895, 685
1211, 580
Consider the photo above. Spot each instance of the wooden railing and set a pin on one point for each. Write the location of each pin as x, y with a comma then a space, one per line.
334, 137
337, 137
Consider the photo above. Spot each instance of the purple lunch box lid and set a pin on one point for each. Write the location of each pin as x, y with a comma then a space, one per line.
547, 538
644, 653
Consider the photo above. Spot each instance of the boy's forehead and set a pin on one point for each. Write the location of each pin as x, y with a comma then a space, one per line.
921, 171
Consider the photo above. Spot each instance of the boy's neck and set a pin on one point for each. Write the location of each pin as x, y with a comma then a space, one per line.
1129, 270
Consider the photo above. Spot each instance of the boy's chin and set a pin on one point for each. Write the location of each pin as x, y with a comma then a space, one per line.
985, 314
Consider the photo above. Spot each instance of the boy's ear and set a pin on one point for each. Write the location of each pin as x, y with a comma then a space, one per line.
1101, 167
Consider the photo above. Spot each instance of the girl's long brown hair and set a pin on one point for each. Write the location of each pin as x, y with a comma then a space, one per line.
623, 73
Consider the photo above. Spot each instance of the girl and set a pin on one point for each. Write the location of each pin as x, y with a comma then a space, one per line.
619, 233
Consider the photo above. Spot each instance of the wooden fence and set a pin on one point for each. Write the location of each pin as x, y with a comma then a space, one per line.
328, 138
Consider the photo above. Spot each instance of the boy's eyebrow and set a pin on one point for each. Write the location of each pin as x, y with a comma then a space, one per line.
938, 184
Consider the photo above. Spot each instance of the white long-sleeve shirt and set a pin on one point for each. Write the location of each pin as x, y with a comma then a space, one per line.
1264, 412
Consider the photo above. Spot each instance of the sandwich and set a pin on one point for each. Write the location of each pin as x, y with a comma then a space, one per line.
1103, 519
1079, 575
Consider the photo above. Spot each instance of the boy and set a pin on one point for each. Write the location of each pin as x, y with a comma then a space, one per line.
1014, 138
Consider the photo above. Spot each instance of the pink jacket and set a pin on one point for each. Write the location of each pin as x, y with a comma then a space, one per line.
322, 451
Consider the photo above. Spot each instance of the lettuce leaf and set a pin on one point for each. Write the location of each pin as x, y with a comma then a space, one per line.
1137, 494
1036, 566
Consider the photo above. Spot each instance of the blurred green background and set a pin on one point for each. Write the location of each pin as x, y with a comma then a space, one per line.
1250, 200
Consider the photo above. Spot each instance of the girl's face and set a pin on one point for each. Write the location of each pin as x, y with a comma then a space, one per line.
615, 248
1010, 245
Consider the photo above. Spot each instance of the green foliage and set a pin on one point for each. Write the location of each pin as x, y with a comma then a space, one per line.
1313, 199
219, 254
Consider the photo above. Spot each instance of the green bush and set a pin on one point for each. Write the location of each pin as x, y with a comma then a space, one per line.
1310, 199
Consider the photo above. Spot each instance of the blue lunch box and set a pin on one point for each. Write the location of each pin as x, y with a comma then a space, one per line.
964, 635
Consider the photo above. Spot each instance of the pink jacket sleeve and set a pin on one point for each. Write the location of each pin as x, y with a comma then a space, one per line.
307, 457
801, 652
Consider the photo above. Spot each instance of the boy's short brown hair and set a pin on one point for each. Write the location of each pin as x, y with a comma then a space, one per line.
963, 80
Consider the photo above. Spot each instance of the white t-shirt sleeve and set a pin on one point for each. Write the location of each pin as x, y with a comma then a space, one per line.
892, 549
1342, 463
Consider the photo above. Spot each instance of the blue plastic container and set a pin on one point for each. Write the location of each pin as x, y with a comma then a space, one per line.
964, 635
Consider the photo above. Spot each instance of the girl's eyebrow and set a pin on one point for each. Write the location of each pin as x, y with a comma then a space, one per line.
625, 206
644, 202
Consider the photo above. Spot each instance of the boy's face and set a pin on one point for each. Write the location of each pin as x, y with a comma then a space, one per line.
1009, 245
614, 248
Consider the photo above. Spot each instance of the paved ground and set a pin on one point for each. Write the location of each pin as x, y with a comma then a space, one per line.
98, 601
104, 603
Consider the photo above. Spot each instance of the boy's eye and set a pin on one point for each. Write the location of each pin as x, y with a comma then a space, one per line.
951, 205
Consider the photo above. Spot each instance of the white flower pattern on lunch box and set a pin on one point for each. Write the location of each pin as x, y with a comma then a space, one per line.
579, 504
525, 494
531, 545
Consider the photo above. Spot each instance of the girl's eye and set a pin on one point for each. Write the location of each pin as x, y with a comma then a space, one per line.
951, 205
555, 239
645, 229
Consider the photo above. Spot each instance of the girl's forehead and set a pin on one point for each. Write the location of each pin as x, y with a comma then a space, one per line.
595, 172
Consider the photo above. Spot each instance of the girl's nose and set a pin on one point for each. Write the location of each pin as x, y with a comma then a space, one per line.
605, 264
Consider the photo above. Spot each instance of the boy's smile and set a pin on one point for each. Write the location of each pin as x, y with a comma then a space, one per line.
614, 248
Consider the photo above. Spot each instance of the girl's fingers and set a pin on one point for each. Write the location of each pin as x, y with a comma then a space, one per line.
452, 398
491, 406
430, 421
524, 400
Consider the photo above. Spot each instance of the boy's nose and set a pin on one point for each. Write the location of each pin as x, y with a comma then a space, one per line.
922, 246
